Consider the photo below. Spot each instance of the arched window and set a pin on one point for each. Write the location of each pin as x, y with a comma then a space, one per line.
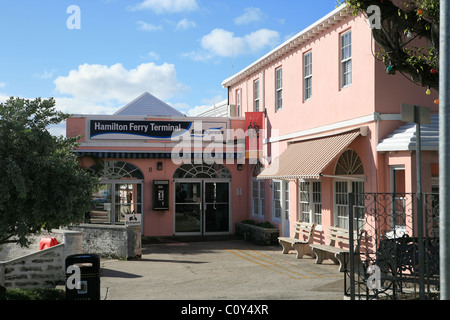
202, 171
116, 170
349, 163
120, 192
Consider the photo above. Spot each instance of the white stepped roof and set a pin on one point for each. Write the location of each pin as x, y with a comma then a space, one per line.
404, 137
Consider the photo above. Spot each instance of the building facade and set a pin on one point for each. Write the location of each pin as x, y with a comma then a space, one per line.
171, 174
330, 123
331, 112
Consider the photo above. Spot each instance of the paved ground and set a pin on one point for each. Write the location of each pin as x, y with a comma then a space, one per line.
219, 270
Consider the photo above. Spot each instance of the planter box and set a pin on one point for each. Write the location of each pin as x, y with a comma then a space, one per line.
259, 235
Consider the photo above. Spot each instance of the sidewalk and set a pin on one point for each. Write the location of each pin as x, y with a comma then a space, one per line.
219, 270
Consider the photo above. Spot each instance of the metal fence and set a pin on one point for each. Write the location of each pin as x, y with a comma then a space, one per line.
394, 260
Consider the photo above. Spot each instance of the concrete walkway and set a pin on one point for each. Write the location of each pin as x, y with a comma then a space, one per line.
219, 270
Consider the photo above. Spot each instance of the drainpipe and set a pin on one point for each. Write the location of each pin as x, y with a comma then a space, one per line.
262, 98
377, 117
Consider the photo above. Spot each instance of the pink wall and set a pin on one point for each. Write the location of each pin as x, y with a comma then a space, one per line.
161, 223
372, 91
329, 103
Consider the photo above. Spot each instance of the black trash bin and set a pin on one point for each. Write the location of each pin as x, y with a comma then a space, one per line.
89, 286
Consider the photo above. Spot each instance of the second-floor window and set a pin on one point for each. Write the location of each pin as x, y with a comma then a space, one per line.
279, 88
346, 59
256, 95
308, 75
238, 102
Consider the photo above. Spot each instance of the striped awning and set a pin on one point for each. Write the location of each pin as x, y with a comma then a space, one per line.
308, 159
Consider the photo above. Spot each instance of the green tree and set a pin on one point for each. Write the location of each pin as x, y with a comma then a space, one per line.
42, 185
408, 37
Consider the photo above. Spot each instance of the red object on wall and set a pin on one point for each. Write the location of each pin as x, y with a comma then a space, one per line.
47, 243
254, 124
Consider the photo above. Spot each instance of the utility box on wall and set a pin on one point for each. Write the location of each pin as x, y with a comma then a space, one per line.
161, 195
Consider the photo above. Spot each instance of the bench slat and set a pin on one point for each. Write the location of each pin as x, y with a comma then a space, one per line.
330, 251
300, 241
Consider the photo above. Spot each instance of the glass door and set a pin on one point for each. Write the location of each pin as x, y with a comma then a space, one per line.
202, 207
217, 207
113, 200
127, 200
188, 207
101, 210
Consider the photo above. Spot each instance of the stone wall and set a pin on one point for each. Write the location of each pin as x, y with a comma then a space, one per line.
259, 235
111, 241
41, 269
12, 251
31, 268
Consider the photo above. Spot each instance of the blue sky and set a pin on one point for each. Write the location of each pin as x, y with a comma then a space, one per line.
178, 50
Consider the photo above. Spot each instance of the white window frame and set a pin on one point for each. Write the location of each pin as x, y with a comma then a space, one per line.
279, 88
258, 198
307, 83
346, 59
310, 201
256, 95
238, 102
341, 213
280, 200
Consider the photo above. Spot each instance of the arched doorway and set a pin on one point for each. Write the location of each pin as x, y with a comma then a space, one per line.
202, 199
120, 192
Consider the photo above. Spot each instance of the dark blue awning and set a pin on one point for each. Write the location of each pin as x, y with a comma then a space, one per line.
156, 155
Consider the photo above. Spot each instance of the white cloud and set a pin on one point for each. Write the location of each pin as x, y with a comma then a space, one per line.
262, 38
144, 26
185, 24
198, 110
223, 43
96, 88
3, 98
197, 55
45, 75
250, 15
208, 104
153, 55
166, 6
78, 105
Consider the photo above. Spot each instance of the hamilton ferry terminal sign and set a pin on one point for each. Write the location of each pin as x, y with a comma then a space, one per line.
160, 130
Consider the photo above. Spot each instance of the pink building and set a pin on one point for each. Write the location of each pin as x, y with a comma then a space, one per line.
331, 119
164, 171
333, 124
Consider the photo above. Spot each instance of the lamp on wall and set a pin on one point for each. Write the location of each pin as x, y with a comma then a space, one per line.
159, 165
239, 166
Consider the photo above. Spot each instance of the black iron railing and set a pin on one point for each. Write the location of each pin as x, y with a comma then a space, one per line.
388, 263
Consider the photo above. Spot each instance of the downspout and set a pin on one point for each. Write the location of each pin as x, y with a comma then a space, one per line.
228, 100
377, 117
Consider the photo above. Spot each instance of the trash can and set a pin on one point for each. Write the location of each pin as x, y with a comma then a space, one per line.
83, 279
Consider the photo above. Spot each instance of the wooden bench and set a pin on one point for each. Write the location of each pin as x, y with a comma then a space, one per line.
331, 251
301, 240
